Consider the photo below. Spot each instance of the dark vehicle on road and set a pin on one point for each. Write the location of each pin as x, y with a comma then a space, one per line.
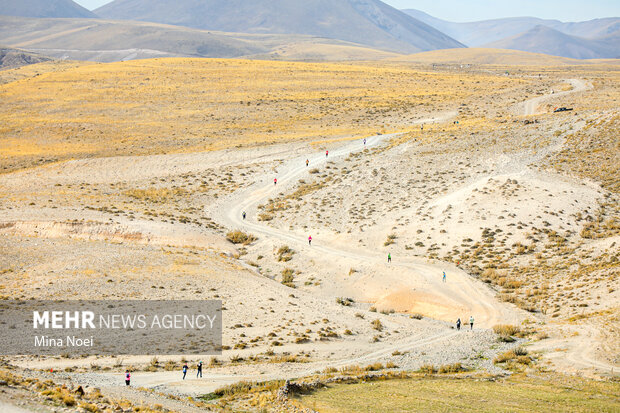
562, 109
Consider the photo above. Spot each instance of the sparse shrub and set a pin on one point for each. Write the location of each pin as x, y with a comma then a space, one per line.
345, 301
451, 368
89, 407
265, 216
506, 330
376, 324
285, 253
240, 237
428, 369
511, 355
288, 277
374, 367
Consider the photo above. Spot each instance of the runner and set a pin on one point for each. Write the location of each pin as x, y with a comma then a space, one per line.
127, 378
389, 257
307, 162
364, 141
199, 372
310, 240
184, 370
471, 322
444, 276
275, 181
458, 324
243, 214
326, 153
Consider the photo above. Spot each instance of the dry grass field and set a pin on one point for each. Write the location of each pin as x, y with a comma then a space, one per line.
184, 105
517, 394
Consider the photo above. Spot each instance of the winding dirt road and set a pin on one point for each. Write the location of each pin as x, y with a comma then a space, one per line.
462, 292
531, 106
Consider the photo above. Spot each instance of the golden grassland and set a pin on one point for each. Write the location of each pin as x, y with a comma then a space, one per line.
28, 71
436, 394
499, 57
185, 105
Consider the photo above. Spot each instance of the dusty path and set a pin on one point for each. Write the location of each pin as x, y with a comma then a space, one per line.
530, 107
463, 292
171, 381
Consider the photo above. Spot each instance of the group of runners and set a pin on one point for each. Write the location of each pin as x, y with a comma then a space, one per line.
184, 369
275, 182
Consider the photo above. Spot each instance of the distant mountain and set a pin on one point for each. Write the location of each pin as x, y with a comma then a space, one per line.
43, 8
542, 39
108, 41
12, 58
369, 22
474, 34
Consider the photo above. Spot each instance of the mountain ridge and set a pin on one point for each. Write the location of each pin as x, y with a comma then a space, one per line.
44, 8
545, 40
370, 22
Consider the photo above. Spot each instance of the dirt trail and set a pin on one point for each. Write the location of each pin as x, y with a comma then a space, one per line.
111, 383
462, 291
530, 107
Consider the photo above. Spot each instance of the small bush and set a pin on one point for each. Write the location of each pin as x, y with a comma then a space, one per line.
240, 237
265, 216
374, 367
345, 301
512, 355
451, 368
285, 253
376, 324
89, 407
288, 277
506, 330
428, 369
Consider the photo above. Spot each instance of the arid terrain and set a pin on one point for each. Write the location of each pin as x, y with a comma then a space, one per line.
130, 180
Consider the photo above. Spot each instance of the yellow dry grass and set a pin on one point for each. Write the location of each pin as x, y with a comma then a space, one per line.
188, 105
485, 56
